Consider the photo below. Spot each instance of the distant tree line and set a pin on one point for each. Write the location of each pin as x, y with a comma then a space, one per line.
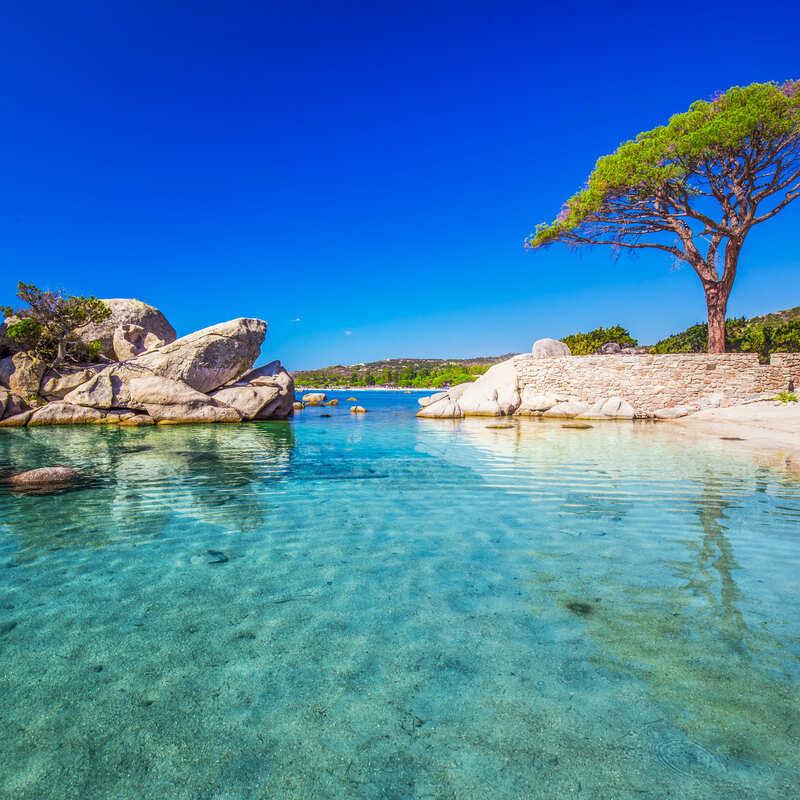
410, 377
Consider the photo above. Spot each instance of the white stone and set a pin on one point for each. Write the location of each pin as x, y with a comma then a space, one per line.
550, 348
569, 409
617, 408
446, 408
533, 401
494, 394
432, 398
671, 413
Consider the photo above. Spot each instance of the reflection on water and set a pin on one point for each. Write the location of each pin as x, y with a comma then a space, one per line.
385, 607
142, 483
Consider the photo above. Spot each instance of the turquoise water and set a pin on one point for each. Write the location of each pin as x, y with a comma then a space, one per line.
383, 607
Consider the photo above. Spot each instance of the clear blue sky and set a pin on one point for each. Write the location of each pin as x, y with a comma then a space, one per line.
361, 175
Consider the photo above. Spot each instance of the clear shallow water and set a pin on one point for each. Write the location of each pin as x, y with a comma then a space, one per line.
408, 609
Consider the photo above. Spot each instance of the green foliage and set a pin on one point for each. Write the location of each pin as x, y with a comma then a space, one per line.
46, 328
787, 397
665, 160
741, 336
93, 350
24, 333
584, 344
409, 376
692, 340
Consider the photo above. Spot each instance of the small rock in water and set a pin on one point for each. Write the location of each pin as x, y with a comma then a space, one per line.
219, 556
325, 415
500, 427
576, 426
46, 480
358, 410
582, 609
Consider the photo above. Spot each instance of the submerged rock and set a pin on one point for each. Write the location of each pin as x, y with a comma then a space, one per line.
44, 476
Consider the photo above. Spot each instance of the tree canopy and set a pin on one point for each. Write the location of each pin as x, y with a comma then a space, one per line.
47, 326
694, 187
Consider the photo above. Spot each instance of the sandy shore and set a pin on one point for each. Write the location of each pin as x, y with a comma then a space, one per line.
773, 429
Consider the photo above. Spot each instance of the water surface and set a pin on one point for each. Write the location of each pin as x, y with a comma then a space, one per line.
383, 607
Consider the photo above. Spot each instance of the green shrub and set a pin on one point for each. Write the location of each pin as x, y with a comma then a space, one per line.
741, 336
584, 344
787, 397
93, 350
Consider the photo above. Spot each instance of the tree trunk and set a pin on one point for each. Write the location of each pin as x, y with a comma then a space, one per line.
717, 303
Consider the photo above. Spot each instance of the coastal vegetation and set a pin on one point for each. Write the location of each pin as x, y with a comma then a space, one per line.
584, 344
46, 327
411, 373
772, 333
694, 188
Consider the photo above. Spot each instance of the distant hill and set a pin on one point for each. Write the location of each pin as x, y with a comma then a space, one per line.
410, 372
777, 317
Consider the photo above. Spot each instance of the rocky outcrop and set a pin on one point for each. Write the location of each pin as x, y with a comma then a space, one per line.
131, 386
263, 393
207, 376
550, 348
57, 383
21, 374
209, 358
132, 316
60, 413
132, 340
314, 398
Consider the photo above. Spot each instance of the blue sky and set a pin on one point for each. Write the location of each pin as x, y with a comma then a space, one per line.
361, 175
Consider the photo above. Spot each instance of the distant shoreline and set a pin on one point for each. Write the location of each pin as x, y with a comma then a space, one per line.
365, 389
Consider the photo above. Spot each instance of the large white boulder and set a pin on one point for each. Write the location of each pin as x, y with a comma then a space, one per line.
209, 358
494, 394
128, 312
132, 387
550, 348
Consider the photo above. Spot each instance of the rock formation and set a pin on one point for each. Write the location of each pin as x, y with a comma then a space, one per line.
613, 386
207, 376
133, 326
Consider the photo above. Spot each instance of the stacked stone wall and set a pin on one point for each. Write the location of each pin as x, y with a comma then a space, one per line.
789, 363
650, 382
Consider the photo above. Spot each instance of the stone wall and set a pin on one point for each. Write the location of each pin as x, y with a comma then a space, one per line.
789, 363
651, 382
